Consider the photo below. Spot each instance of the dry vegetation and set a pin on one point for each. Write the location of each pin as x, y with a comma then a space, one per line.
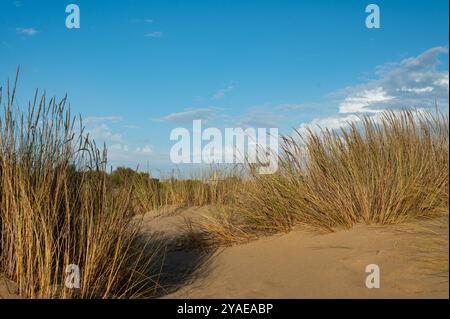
56, 209
58, 206
385, 170
208, 187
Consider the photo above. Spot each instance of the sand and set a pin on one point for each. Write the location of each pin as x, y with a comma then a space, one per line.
299, 264
8, 290
306, 264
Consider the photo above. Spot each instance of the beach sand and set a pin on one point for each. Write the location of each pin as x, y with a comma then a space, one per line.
306, 264
298, 264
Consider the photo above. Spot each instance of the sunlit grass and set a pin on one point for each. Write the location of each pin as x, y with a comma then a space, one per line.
56, 209
385, 170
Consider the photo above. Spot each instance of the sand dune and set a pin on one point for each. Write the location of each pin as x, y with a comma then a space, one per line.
304, 264
299, 264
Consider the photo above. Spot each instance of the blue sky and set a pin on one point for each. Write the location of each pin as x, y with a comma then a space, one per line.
137, 69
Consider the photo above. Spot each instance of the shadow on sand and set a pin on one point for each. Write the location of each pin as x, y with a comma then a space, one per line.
181, 264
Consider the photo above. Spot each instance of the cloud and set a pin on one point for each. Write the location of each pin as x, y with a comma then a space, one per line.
17, 3
98, 119
127, 152
332, 122
131, 126
119, 149
416, 90
189, 115
99, 129
413, 82
27, 31
338, 122
220, 94
296, 107
260, 118
121, 154
362, 101
257, 117
145, 20
154, 34
102, 133
147, 149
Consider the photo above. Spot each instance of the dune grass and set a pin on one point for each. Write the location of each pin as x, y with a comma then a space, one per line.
57, 209
58, 206
431, 243
388, 169
207, 187
436, 253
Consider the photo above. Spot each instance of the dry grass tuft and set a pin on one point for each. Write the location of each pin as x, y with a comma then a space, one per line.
56, 209
431, 244
387, 170
58, 206
208, 187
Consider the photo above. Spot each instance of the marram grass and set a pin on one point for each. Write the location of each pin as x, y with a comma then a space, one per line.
57, 209
387, 169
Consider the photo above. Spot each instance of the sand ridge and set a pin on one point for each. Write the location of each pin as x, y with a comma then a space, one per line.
306, 264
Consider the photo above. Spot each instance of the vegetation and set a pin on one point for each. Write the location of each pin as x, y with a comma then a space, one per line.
56, 209
385, 170
59, 206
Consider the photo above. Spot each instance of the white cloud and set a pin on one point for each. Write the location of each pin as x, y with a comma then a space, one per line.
98, 119
101, 132
126, 151
426, 89
361, 101
220, 94
99, 129
189, 115
121, 154
147, 149
154, 34
119, 149
27, 31
332, 122
443, 81
131, 126
145, 20
296, 107
260, 118
413, 82
342, 121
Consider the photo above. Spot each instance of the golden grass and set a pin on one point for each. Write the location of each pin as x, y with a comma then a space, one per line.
56, 209
431, 243
384, 170
436, 252
207, 187
58, 206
